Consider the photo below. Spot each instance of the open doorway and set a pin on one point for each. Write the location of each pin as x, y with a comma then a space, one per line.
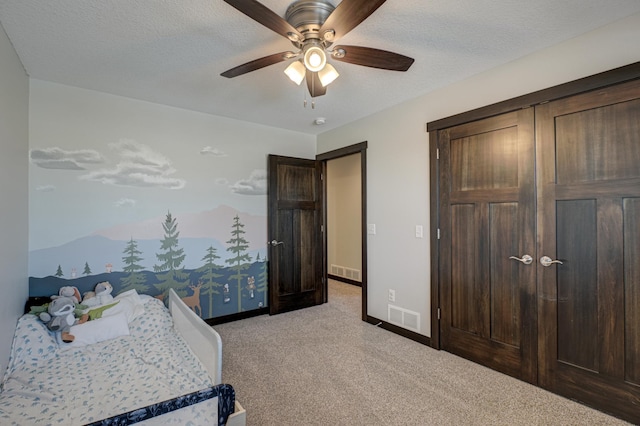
344, 186
344, 223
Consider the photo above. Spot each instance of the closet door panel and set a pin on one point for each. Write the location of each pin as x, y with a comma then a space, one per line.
466, 292
504, 304
577, 284
632, 289
588, 183
484, 160
487, 221
485, 301
587, 153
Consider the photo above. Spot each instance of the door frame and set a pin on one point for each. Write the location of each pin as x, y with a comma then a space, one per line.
360, 148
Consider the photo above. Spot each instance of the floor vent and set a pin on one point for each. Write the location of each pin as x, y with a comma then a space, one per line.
344, 272
404, 318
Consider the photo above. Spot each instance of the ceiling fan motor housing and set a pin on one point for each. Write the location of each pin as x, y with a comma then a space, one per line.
307, 16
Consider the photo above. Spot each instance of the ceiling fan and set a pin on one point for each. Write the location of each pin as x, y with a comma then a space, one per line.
313, 26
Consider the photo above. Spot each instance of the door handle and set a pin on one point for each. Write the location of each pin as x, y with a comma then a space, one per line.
526, 259
546, 261
275, 243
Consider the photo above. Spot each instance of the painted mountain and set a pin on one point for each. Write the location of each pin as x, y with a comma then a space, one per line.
104, 250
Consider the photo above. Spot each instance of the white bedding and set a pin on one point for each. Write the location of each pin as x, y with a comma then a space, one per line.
73, 386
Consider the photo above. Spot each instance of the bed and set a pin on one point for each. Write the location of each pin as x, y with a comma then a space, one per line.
139, 363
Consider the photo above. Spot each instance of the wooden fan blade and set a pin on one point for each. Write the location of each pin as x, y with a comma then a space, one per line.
256, 64
265, 16
347, 15
375, 58
313, 84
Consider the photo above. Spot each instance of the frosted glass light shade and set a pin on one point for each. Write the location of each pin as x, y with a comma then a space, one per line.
296, 72
314, 58
327, 75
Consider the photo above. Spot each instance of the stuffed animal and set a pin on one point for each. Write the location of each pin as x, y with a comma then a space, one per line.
59, 317
68, 291
102, 295
103, 292
87, 296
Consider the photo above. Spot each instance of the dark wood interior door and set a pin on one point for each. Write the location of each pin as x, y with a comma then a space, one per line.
487, 223
295, 237
589, 219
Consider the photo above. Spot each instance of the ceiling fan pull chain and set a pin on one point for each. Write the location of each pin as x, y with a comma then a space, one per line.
304, 93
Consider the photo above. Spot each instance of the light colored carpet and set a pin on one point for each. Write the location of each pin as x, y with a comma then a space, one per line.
325, 366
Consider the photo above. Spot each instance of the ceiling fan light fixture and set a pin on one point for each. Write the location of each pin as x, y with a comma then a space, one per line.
338, 53
329, 35
295, 38
296, 72
314, 58
327, 75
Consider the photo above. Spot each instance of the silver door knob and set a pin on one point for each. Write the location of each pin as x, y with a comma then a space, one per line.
275, 242
526, 259
546, 261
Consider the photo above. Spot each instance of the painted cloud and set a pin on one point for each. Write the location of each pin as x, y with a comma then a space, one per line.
139, 166
60, 159
256, 184
208, 150
45, 188
125, 202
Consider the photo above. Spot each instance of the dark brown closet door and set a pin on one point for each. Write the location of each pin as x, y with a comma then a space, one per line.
487, 207
589, 219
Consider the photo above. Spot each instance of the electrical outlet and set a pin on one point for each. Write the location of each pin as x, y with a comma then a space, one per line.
392, 295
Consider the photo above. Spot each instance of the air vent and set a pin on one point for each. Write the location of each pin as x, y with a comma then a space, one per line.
404, 318
344, 272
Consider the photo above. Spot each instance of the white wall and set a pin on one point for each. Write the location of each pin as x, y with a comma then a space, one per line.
398, 162
14, 143
344, 215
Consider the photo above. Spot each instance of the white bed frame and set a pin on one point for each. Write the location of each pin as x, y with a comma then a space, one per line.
206, 344
214, 402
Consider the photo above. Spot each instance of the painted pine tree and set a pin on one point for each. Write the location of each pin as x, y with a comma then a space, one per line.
170, 272
240, 261
210, 285
87, 270
134, 280
261, 285
59, 272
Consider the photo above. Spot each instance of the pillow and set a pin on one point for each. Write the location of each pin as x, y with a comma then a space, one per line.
127, 303
99, 330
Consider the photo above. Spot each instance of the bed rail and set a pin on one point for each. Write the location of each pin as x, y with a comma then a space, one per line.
159, 413
201, 338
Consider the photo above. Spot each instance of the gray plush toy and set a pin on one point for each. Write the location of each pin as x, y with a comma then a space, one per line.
60, 317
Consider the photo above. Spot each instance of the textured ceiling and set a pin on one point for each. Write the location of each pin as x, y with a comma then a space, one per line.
173, 51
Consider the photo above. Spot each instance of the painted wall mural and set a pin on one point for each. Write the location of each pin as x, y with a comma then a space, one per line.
149, 197
218, 264
224, 278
